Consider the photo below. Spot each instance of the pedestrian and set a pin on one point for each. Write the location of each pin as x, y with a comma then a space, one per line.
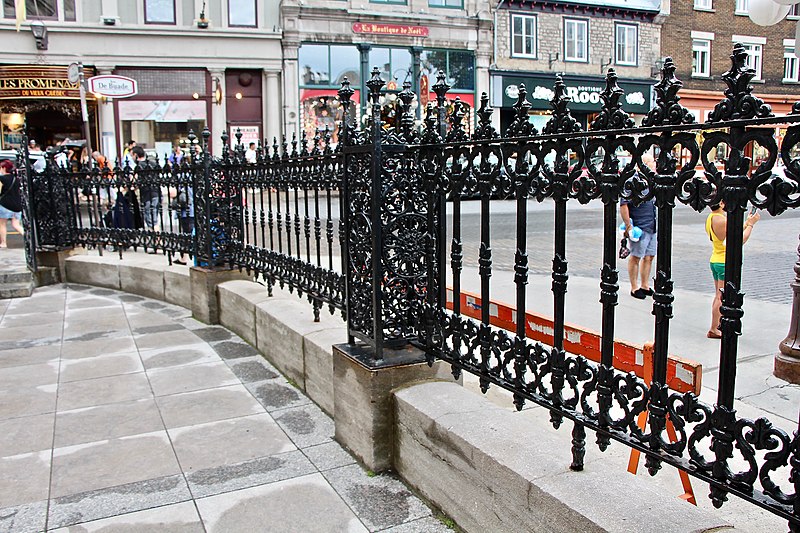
176, 156
127, 157
250, 154
100, 160
716, 229
149, 195
10, 201
183, 207
640, 261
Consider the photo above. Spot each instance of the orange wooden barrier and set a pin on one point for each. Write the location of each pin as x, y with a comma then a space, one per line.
683, 375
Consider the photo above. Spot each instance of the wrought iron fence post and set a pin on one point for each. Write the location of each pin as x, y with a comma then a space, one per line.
375, 84
29, 223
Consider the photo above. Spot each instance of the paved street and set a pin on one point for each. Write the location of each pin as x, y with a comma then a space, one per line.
119, 413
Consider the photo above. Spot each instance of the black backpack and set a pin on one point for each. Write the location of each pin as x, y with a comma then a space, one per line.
10, 195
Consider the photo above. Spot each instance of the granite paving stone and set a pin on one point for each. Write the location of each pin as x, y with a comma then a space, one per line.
17, 320
17, 377
27, 518
101, 366
329, 455
101, 422
28, 356
26, 434
118, 500
187, 378
428, 524
24, 478
306, 425
108, 463
307, 503
277, 394
214, 333
252, 370
248, 473
234, 349
166, 339
175, 518
228, 441
78, 349
99, 391
198, 407
177, 356
381, 501
27, 401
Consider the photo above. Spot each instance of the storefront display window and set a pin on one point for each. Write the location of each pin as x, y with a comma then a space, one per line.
159, 125
11, 130
457, 65
320, 110
394, 63
327, 65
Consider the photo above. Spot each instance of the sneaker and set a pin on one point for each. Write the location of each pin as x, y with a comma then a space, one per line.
647, 292
178, 262
639, 294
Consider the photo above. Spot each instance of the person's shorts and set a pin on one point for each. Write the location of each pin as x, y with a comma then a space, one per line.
7, 213
187, 224
150, 211
645, 246
718, 271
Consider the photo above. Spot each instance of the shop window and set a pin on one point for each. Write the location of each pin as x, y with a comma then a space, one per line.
43, 9
458, 66
741, 7
446, 3
523, 36
627, 44
323, 113
327, 65
576, 40
242, 13
703, 5
159, 11
790, 65
394, 64
701, 58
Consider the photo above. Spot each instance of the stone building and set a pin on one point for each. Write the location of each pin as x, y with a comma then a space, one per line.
214, 63
705, 31
408, 40
581, 39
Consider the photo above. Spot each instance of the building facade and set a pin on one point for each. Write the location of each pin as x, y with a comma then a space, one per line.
705, 31
214, 63
581, 39
325, 41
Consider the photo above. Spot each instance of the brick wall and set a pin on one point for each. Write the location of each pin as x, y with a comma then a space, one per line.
601, 45
677, 43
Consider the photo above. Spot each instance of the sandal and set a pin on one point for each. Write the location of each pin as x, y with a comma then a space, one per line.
714, 334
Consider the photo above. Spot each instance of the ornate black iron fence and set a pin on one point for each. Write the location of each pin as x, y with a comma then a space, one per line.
277, 217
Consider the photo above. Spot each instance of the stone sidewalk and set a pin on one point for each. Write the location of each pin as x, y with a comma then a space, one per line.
119, 413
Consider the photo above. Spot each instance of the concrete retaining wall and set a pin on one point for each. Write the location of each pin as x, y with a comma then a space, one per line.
494, 470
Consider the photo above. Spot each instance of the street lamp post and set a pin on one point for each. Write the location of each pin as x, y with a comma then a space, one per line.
787, 362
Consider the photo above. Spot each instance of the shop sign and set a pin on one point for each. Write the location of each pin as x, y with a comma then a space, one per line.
113, 86
38, 82
250, 134
390, 29
583, 90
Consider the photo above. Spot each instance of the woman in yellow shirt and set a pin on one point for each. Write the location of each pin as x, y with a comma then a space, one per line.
716, 227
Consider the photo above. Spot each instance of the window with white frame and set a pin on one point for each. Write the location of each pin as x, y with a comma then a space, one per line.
755, 52
741, 7
523, 36
627, 44
576, 40
43, 9
242, 13
790, 62
701, 58
704, 5
159, 11
794, 12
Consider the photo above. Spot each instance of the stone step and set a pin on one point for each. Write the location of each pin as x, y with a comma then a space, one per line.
16, 290
16, 276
